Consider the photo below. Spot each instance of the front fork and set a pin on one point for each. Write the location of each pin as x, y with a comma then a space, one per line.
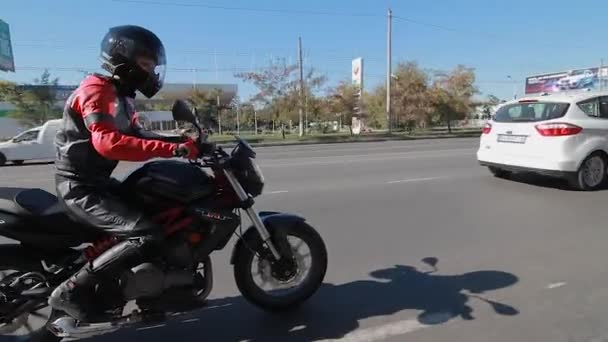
253, 215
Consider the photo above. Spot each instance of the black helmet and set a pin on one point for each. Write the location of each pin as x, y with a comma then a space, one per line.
123, 51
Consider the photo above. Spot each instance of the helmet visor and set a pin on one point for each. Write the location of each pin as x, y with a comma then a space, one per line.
154, 67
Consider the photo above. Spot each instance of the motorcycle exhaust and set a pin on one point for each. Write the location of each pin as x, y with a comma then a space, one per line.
67, 327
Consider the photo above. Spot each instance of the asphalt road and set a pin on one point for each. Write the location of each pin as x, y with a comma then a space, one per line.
521, 260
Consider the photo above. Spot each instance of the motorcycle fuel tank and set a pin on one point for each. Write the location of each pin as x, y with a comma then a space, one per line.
174, 181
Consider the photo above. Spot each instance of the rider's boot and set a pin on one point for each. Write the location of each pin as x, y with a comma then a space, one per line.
75, 295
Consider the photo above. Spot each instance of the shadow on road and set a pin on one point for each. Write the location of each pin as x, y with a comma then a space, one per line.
337, 309
28, 164
541, 181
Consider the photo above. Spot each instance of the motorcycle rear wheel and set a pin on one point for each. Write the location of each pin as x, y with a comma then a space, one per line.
30, 325
283, 299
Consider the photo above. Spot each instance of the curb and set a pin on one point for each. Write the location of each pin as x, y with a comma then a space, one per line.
396, 138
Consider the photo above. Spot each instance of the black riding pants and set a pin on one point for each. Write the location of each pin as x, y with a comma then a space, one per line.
104, 205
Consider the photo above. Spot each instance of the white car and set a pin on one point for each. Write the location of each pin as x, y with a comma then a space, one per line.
33, 144
562, 134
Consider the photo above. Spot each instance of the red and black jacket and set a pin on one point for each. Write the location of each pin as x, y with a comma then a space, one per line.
99, 129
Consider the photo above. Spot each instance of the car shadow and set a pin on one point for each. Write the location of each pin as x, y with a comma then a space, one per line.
336, 310
546, 182
29, 164
540, 181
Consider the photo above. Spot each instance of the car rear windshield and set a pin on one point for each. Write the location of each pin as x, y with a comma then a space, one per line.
531, 111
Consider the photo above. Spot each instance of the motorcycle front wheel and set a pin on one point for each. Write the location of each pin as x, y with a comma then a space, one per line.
283, 286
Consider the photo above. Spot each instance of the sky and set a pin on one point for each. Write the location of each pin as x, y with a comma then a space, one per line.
497, 38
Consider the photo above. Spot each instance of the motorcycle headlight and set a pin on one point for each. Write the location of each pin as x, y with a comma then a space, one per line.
251, 178
257, 170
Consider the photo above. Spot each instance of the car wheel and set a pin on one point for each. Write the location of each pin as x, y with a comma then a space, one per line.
2, 159
592, 173
500, 173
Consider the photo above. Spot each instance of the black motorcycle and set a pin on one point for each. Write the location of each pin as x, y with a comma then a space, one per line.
279, 262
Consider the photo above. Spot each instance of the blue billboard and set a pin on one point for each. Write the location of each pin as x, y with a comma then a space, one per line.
7, 62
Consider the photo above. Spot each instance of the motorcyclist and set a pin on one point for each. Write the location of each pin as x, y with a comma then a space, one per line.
100, 128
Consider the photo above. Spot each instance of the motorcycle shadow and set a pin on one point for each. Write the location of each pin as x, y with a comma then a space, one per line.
336, 310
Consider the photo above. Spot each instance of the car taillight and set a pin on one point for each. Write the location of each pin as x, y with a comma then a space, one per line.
557, 129
486, 129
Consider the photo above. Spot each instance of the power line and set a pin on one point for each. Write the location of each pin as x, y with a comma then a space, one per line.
486, 35
249, 9
325, 13
324, 58
227, 69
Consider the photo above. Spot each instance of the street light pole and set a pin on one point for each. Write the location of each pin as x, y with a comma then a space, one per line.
388, 70
514, 90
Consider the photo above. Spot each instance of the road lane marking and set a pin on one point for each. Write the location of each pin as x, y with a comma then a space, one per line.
191, 320
279, 192
151, 327
386, 331
555, 285
413, 180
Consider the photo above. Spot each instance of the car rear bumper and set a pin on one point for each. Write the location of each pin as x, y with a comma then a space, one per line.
545, 172
548, 162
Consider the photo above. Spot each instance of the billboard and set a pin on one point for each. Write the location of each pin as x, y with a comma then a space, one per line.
6, 51
592, 78
357, 72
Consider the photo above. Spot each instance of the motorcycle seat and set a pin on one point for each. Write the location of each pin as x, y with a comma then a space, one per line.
38, 218
29, 202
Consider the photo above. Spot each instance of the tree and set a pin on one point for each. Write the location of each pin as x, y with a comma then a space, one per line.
278, 89
342, 101
207, 107
247, 115
410, 95
488, 105
452, 94
374, 103
34, 104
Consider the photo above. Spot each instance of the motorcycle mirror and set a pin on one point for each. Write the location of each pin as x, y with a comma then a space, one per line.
431, 261
181, 112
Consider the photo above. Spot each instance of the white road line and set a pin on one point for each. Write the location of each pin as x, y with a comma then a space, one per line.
191, 320
385, 331
152, 327
413, 180
278, 192
296, 328
555, 285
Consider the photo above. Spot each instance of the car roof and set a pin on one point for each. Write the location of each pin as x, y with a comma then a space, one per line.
569, 96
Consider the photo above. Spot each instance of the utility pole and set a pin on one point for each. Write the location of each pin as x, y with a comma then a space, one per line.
238, 121
388, 70
301, 86
306, 115
219, 116
600, 74
255, 120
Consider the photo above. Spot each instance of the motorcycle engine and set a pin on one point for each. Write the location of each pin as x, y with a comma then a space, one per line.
149, 280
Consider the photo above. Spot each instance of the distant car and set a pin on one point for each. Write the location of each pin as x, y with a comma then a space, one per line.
33, 144
577, 79
562, 134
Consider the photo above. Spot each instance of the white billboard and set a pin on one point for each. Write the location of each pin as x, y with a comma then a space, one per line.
592, 78
357, 72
